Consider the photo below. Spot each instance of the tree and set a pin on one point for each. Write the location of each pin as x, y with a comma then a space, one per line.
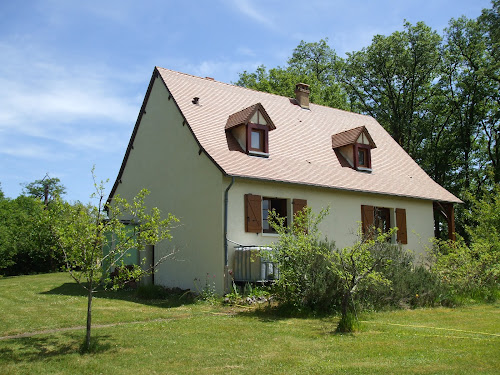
27, 244
96, 242
474, 46
48, 188
357, 266
312, 63
391, 80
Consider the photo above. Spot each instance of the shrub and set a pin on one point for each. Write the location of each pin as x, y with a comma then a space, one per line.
410, 285
468, 272
305, 280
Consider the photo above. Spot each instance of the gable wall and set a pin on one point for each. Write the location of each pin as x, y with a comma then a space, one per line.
343, 220
165, 160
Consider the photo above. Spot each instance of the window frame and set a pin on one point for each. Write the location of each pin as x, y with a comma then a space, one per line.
395, 217
254, 211
366, 149
377, 217
263, 129
284, 204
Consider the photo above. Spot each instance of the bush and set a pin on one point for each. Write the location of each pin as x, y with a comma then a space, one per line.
468, 272
410, 285
305, 281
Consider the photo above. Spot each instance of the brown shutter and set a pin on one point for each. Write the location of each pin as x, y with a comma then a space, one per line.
401, 224
298, 205
367, 218
253, 213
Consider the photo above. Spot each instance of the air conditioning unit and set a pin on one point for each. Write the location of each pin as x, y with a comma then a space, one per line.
251, 266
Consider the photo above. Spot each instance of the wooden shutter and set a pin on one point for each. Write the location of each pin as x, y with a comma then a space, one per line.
367, 218
401, 224
298, 205
253, 213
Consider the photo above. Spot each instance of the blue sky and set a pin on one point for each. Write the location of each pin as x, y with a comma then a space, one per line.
73, 74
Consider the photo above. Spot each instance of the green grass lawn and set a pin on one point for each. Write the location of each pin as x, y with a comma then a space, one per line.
166, 337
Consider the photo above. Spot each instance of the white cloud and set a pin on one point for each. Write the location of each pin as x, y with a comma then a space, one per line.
40, 97
245, 51
260, 14
219, 69
27, 150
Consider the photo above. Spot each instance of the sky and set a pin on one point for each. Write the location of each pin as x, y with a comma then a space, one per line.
73, 74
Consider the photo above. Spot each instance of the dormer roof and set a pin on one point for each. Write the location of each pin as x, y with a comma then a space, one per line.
244, 116
351, 136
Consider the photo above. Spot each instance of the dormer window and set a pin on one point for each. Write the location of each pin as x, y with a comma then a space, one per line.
257, 140
362, 157
251, 127
353, 148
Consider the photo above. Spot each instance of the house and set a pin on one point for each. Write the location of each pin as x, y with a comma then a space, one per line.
219, 157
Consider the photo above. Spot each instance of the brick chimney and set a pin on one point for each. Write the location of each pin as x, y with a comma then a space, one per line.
302, 94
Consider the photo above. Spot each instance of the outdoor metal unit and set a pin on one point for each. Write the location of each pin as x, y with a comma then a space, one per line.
250, 266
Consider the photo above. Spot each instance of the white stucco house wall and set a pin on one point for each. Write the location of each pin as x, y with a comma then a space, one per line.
220, 156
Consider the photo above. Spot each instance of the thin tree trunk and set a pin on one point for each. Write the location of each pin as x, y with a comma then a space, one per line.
89, 317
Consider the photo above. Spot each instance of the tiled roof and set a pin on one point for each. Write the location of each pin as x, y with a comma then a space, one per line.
349, 137
300, 148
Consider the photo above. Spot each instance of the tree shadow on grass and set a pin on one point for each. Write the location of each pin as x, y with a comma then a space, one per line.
42, 347
165, 300
272, 313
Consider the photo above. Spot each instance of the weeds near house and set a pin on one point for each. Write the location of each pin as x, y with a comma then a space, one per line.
207, 292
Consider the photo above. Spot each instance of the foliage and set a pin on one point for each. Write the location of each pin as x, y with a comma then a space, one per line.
48, 188
305, 281
84, 232
412, 284
357, 267
207, 292
392, 81
26, 241
312, 63
474, 269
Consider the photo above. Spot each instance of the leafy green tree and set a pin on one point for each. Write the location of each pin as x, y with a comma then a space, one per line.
473, 47
358, 267
26, 241
313, 63
47, 188
391, 80
96, 242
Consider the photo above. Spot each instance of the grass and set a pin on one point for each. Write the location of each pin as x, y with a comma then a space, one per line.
168, 337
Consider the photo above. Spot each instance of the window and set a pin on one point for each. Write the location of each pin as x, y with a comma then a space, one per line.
257, 140
362, 156
257, 210
382, 219
373, 218
280, 208
353, 148
250, 127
